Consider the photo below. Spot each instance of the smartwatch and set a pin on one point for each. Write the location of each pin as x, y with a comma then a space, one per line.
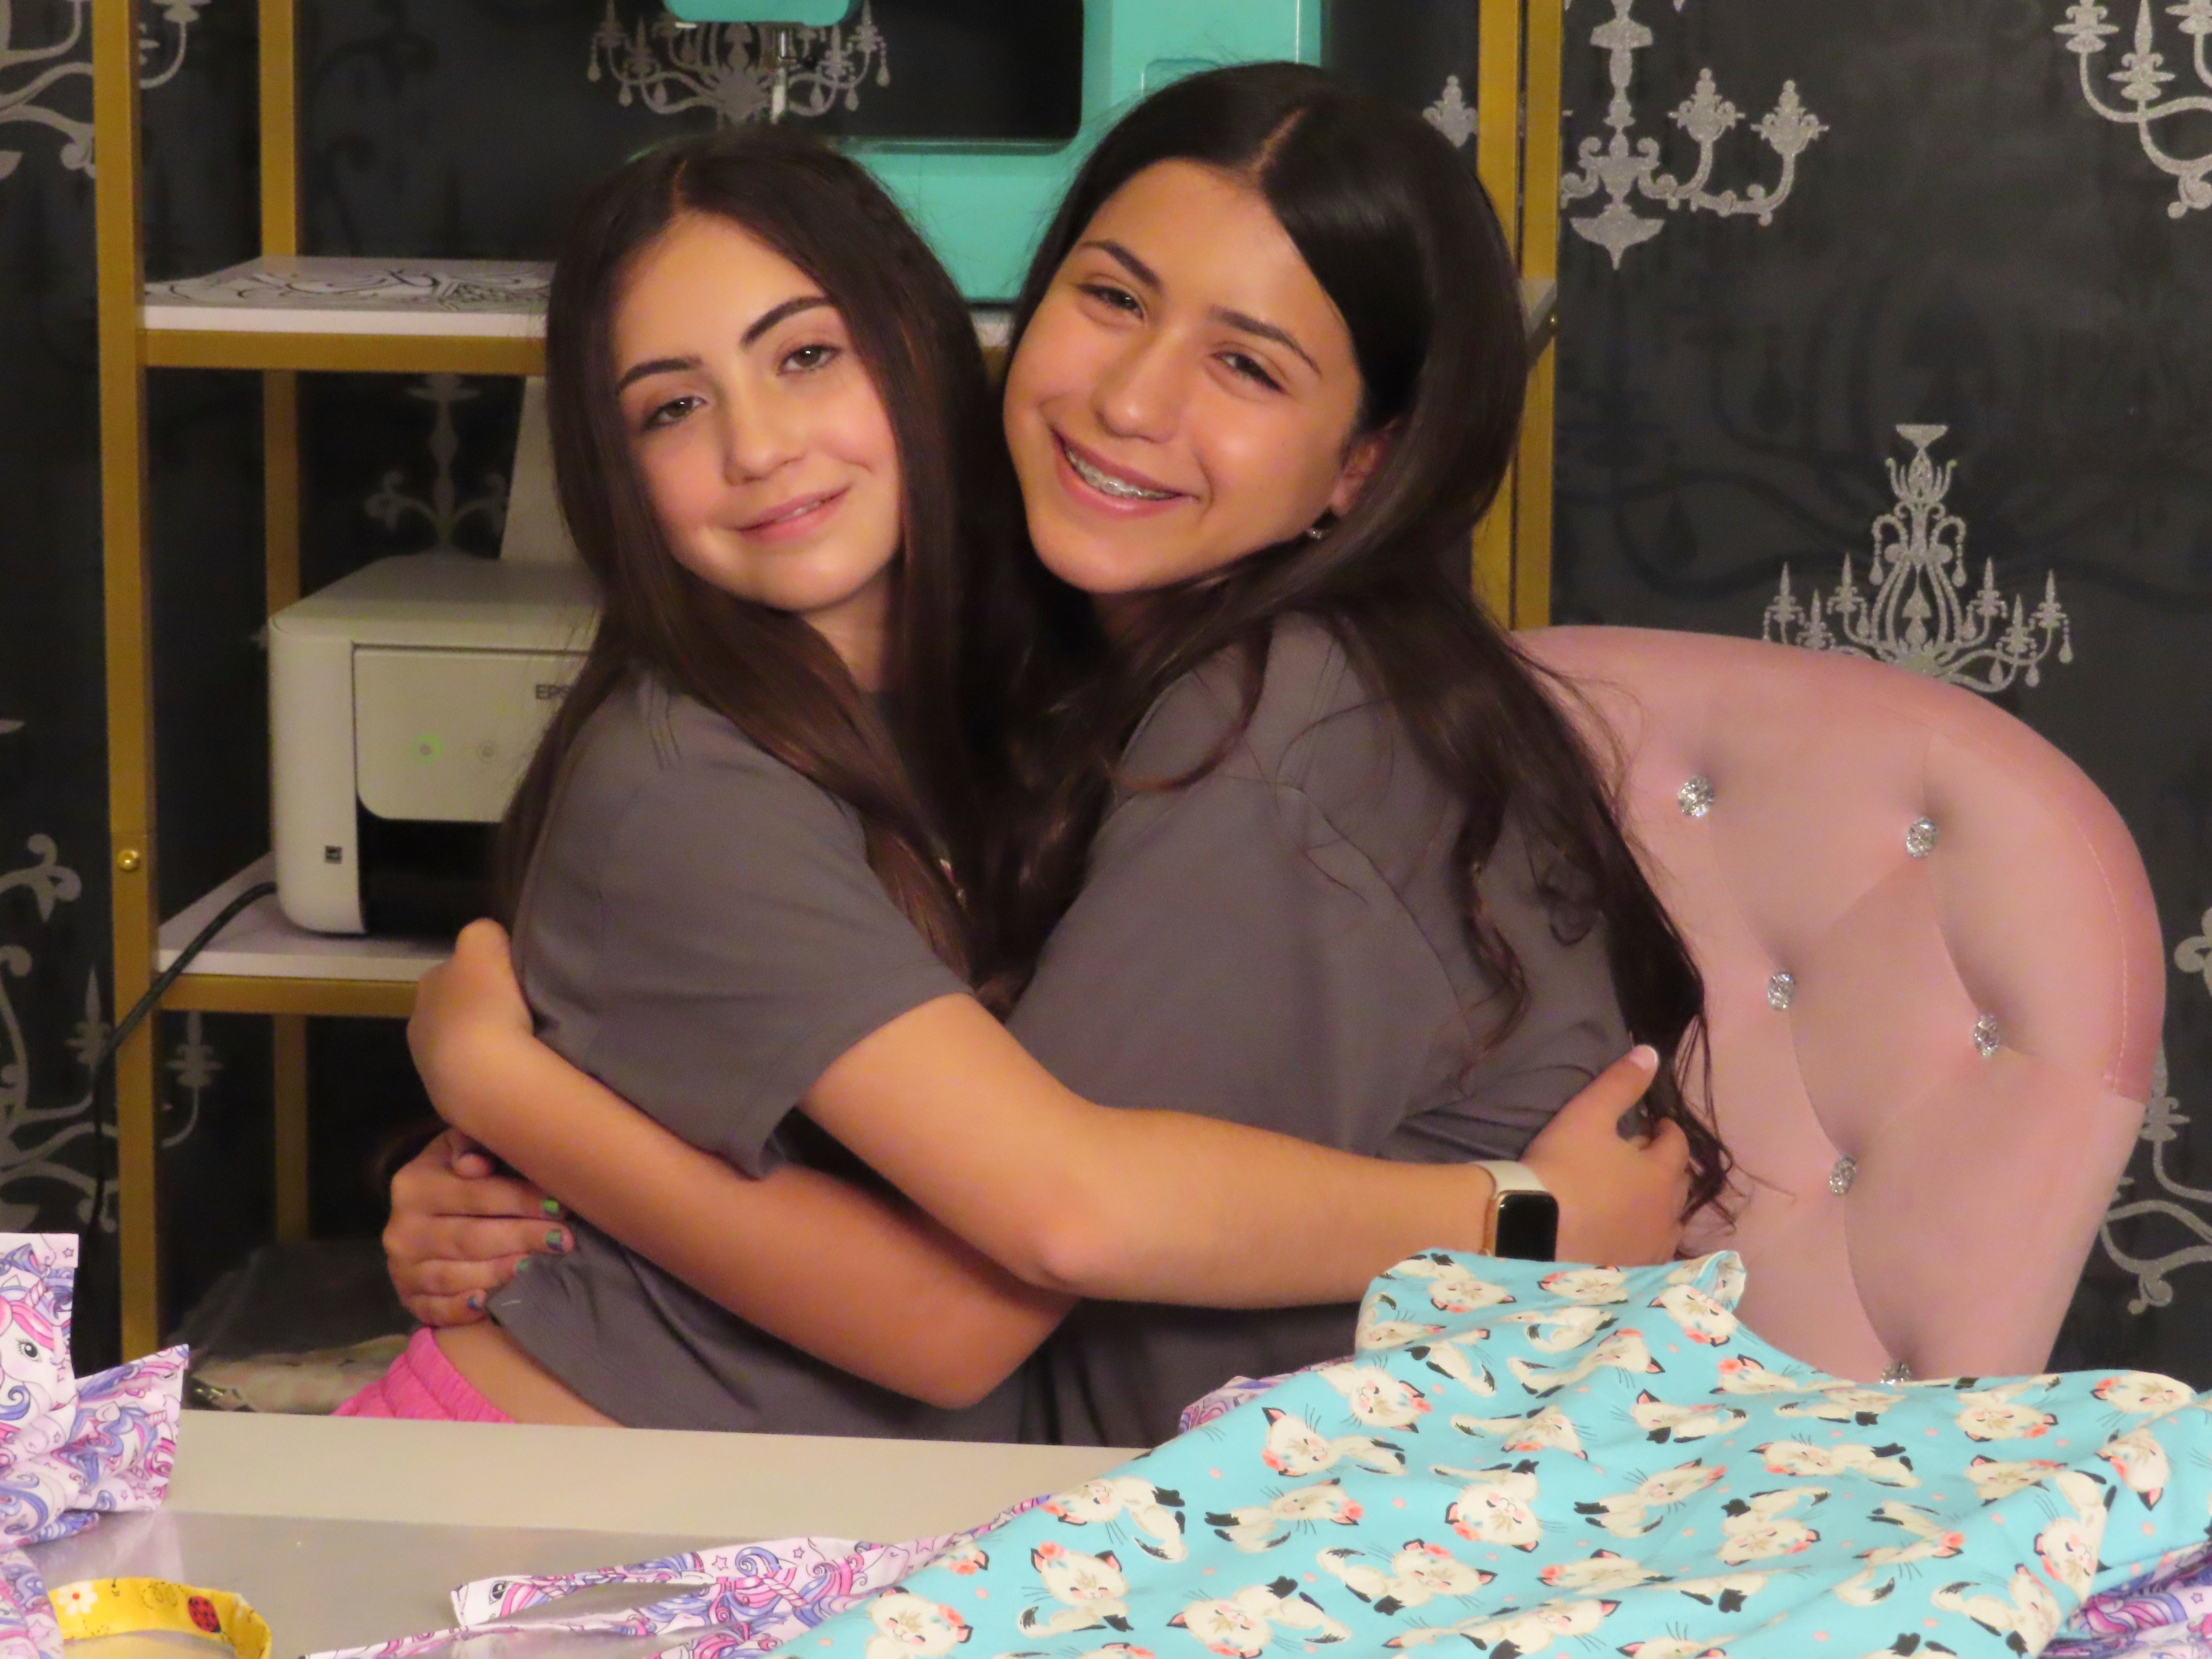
1525, 1222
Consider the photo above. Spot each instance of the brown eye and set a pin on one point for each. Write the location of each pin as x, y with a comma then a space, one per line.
807, 358
1238, 363
1108, 295
667, 414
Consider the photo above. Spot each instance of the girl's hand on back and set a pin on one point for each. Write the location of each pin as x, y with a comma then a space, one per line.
458, 1227
1620, 1195
457, 1230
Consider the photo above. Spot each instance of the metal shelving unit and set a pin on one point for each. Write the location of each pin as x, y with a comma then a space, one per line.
264, 967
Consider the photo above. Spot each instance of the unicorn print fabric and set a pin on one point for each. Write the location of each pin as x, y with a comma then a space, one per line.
728, 1603
2167, 1616
1527, 1459
71, 1448
734, 1602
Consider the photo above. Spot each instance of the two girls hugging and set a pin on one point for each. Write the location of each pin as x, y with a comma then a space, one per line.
1036, 897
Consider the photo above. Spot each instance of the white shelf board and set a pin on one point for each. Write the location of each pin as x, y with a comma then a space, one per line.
481, 299
261, 944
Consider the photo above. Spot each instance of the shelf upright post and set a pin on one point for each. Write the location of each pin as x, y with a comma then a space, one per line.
127, 579
280, 535
1498, 85
280, 238
1541, 139
1497, 163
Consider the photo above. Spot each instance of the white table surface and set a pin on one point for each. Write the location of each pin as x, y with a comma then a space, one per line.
342, 1531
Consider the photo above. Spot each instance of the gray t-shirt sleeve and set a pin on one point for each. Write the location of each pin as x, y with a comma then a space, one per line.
1571, 1028
702, 931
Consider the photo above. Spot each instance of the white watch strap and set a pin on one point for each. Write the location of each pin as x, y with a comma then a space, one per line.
1512, 1177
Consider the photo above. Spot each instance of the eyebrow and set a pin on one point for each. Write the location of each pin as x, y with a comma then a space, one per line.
761, 324
1138, 269
1243, 322
774, 314
657, 365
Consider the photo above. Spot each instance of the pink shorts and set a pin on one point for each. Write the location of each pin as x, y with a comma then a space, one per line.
424, 1385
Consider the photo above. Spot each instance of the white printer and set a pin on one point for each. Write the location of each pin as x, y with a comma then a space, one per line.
404, 703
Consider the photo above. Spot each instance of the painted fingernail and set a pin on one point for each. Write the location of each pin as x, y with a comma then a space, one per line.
551, 1206
476, 1301
556, 1239
523, 1266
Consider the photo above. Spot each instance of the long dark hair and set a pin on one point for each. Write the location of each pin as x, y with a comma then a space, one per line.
910, 774
1404, 240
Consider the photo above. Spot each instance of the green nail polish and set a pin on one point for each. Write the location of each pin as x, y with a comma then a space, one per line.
550, 1206
553, 1239
523, 1266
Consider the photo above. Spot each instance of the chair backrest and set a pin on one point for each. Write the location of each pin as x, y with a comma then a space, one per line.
1934, 983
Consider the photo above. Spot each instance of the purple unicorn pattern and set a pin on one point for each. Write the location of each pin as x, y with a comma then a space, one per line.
71, 1449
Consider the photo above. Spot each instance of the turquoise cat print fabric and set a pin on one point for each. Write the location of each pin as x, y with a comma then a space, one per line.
1525, 1458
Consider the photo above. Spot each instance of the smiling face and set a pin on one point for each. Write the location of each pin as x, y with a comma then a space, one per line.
758, 435
1185, 393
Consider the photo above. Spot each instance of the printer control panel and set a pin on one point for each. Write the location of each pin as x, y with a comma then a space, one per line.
444, 735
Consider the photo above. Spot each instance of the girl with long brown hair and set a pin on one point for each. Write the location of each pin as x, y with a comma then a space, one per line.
1298, 813
743, 888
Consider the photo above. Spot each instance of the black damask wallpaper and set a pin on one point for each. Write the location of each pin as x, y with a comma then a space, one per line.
1972, 252
1963, 243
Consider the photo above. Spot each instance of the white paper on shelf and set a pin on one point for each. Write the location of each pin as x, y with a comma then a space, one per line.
498, 299
486, 298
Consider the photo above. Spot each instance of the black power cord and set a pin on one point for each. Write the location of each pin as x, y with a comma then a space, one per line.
132, 1021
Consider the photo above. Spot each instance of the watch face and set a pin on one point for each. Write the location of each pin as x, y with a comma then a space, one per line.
1528, 1226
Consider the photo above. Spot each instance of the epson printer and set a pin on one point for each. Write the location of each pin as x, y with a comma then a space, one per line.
404, 703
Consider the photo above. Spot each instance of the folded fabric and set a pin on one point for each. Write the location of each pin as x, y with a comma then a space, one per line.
726, 1603
71, 1448
1536, 1459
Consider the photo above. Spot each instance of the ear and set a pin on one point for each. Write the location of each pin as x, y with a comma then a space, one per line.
1361, 458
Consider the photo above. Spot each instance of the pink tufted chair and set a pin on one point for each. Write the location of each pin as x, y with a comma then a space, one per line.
1934, 983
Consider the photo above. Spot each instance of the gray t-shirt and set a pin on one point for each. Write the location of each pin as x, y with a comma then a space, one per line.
701, 933
1278, 944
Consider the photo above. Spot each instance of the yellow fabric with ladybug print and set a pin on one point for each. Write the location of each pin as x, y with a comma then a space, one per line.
128, 1606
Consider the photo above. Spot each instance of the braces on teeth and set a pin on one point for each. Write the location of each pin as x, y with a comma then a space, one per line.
1106, 484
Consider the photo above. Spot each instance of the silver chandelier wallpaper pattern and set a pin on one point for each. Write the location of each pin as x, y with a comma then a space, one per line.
1884, 328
